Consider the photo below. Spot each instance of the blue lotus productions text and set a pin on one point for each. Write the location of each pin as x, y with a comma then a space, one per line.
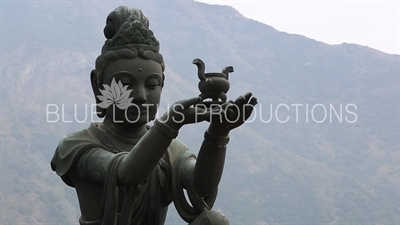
265, 113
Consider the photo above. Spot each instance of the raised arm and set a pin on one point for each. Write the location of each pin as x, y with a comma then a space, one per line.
211, 158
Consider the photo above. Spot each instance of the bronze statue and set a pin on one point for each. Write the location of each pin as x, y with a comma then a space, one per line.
127, 172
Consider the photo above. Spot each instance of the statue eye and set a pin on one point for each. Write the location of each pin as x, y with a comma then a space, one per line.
125, 81
153, 83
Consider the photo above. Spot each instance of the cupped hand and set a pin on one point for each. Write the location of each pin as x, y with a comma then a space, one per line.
185, 112
232, 114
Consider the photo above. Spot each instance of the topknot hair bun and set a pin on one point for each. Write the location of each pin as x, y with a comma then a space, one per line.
119, 16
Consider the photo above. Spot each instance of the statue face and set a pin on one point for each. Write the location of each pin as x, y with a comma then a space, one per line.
142, 80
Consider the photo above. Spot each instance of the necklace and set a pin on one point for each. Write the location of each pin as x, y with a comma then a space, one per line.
114, 145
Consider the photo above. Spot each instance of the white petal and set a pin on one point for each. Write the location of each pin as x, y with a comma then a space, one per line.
101, 98
107, 94
105, 104
123, 105
115, 90
106, 87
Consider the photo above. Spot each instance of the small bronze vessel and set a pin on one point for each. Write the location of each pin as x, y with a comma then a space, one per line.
213, 85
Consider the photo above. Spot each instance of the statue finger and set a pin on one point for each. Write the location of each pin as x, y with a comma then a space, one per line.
248, 110
247, 96
253, 101
225, 105
240, 100
189, 102
217, 112
201, 113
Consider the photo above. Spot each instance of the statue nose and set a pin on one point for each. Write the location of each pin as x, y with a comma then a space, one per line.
139, 95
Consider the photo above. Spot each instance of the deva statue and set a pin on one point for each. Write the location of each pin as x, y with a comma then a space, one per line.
127, 172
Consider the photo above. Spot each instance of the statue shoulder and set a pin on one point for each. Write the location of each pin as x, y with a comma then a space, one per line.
85, 138
71, 148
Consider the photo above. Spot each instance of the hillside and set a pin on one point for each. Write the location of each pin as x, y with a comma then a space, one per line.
342, 169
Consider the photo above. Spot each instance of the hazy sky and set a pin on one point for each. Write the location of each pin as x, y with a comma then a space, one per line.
370, 23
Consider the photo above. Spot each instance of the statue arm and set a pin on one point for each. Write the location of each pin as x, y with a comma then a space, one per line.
210, 162
211, 158
199, 176
183, 163
142, 159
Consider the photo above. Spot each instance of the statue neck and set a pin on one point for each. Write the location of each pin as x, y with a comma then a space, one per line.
122, 133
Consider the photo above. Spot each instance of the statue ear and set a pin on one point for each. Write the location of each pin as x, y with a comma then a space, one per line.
96, 91
163, 80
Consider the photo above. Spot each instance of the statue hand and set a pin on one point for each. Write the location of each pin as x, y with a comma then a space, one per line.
184, 112
233, 114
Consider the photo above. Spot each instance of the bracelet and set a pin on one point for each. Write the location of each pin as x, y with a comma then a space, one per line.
215, 140
165, 129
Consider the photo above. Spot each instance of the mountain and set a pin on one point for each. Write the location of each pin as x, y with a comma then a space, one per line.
334, 161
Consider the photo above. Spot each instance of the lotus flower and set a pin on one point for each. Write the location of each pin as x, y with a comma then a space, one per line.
116, 94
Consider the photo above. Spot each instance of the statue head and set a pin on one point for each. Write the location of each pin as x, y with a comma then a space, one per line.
129, 73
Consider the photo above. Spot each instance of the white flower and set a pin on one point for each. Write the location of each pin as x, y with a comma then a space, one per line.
116, 94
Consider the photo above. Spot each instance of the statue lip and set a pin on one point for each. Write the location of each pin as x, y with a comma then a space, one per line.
137, 109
